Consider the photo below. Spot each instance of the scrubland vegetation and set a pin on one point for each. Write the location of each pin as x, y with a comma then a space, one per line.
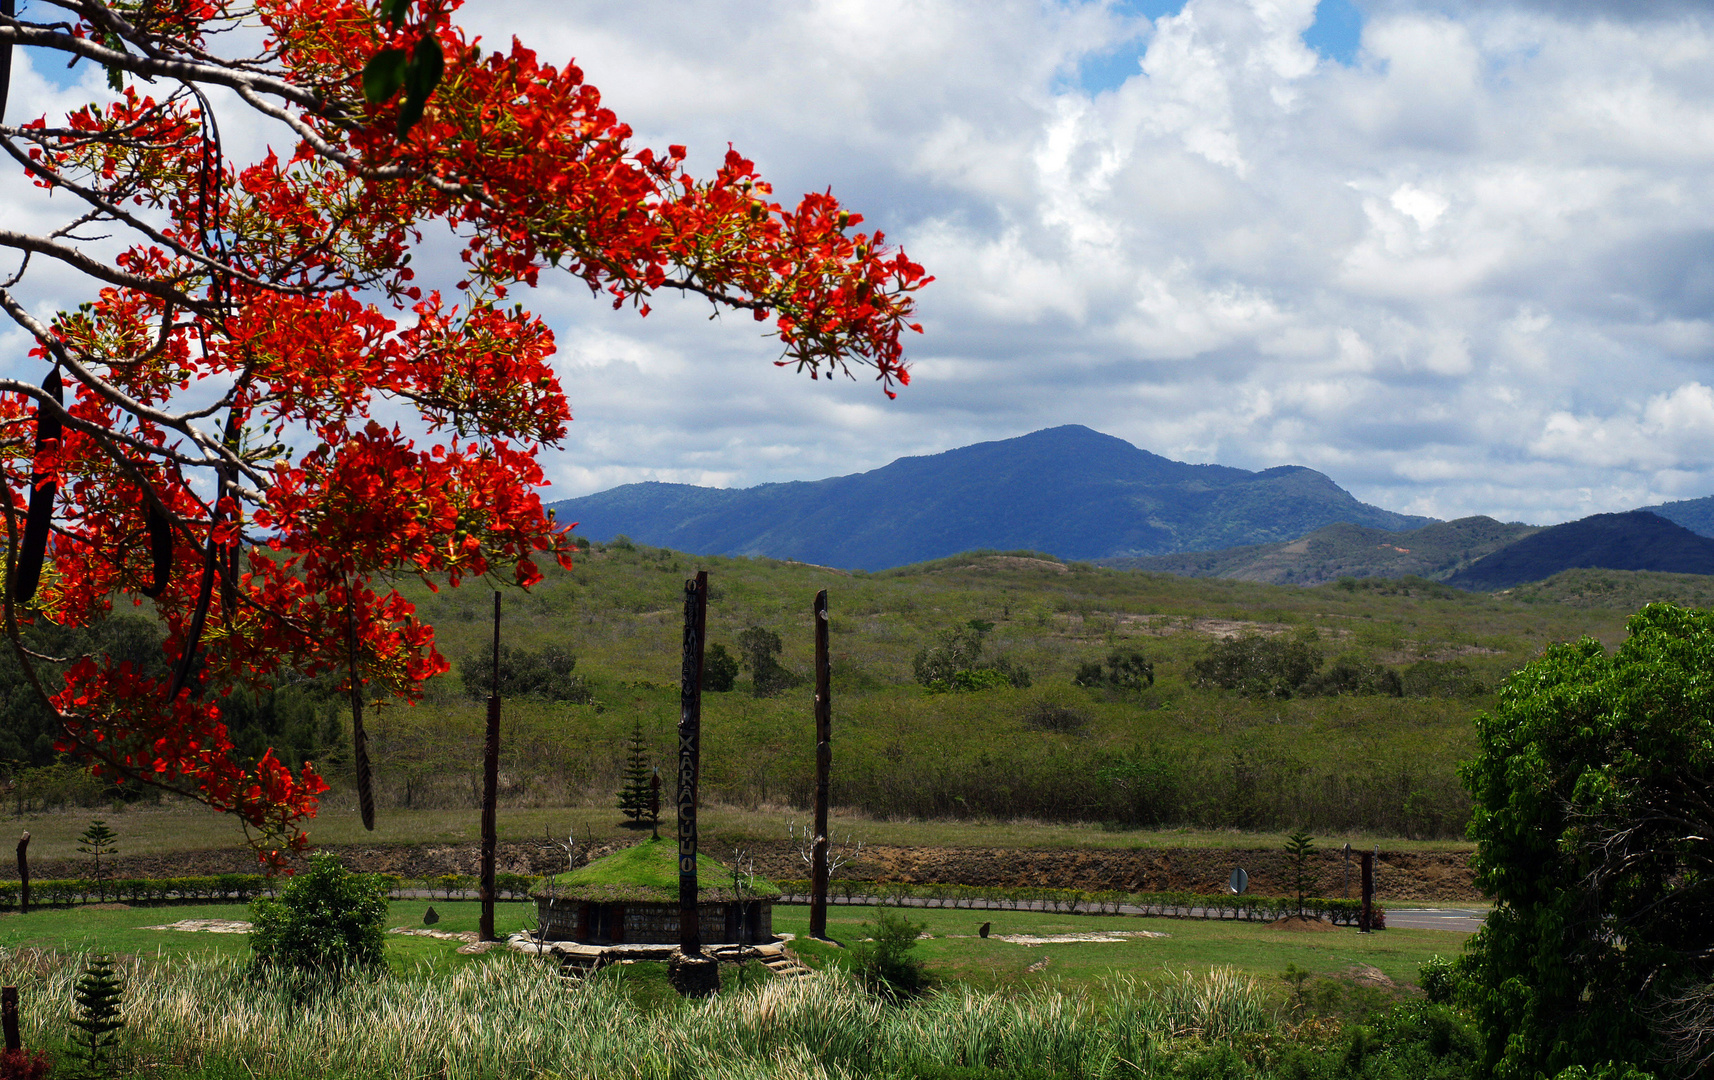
1182, 751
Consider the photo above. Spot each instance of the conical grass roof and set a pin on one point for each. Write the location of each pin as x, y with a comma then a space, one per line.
647, 873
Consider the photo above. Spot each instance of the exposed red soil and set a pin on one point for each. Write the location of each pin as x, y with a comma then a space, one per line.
1414, 876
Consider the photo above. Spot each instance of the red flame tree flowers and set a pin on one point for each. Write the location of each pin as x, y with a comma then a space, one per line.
201, 431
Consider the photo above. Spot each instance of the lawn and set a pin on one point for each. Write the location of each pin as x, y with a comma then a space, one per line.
124, 931
953, 950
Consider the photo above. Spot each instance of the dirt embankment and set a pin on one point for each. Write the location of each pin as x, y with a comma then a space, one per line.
1418, 876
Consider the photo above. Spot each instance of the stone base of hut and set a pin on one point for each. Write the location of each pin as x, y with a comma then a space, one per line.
749, 922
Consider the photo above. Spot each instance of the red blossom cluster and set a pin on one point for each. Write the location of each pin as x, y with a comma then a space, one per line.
207, 439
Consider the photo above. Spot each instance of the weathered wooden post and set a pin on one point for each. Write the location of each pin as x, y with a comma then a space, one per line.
9, 1017
823, 771
690, 972
24, 874
1363, 922
655, 804
490, 787
1346, 894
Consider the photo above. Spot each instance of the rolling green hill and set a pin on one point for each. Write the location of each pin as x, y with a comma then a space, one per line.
1174, 754
1434, 551
1638, 540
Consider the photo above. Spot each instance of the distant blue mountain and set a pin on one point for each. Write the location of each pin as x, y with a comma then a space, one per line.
1637, 540
1697, 515
1067, 491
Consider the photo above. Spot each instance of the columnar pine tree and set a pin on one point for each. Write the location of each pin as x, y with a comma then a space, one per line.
634, 796
1300, 846
96, 841
98, 993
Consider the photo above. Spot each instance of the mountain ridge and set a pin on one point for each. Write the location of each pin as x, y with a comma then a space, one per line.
1069, 491
1633, 540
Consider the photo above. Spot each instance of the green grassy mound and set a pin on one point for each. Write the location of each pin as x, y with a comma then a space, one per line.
648, 873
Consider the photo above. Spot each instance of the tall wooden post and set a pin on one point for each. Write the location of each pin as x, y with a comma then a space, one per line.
9, 1017
688, 970
24, 874
823, 771
491, 787
1364, 921
689, 758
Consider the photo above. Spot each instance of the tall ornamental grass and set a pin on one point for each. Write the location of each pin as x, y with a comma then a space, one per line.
514, 1016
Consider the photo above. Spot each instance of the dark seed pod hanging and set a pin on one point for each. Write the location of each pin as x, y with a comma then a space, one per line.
160, 549
43, 491
359, 738
8, 8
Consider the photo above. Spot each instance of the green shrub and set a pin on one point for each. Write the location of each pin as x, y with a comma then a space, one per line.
327, 921
1259, 666
953, 664
719, 669
1123, 672
546, 674
1438, 978
761, 650
1350, 676
888, 963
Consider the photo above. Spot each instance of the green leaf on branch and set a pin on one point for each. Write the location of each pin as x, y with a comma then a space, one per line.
421, 77
383, 75
394, 11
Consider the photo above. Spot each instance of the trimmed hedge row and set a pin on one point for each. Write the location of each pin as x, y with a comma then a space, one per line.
1178, 905
232, 888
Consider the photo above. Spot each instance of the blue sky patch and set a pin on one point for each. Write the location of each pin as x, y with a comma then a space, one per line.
1337, 31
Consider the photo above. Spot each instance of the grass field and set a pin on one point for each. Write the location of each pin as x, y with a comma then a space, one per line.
954, 951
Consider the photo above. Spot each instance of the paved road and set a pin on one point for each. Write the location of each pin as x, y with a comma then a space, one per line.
1455, 920
1459, 920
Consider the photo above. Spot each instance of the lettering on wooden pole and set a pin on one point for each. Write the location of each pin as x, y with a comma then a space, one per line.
689, 743
823, 771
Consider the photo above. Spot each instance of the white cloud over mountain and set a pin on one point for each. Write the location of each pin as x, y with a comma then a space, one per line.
1470, 272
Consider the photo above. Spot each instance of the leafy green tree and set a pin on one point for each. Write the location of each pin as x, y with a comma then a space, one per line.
954, 663
719, 669
635, 798
1591, 783
547, 674
1300, 846
96, 841
327, 922
1258, 665
760, 648
98, 994
1124, 671
1353, 677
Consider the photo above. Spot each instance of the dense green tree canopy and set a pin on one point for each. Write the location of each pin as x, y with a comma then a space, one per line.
1593, 818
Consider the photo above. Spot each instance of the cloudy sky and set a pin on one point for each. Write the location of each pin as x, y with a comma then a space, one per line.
1458, 256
